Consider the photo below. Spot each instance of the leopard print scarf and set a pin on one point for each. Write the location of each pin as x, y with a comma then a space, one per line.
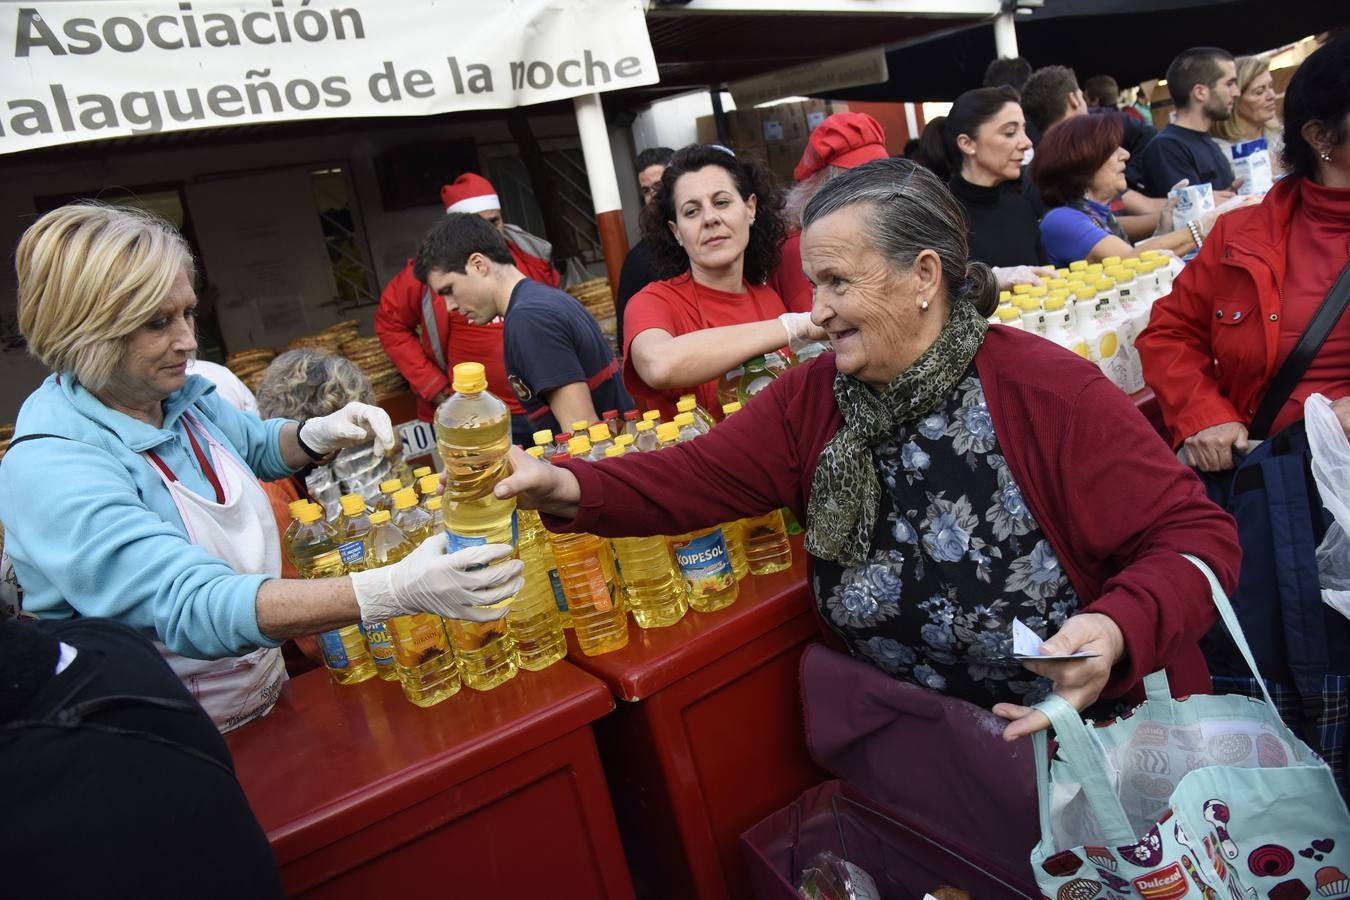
845, 492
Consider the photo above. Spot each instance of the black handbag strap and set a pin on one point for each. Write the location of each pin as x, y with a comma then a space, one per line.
1296, 363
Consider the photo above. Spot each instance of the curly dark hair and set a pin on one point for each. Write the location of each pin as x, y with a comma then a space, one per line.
751, 179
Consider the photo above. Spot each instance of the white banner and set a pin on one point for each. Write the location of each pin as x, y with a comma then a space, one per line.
78, 70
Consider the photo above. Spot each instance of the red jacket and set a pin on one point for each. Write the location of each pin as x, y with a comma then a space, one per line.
401, 325
1211, 345
1109, 495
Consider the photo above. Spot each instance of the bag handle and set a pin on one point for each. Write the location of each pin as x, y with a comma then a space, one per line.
1296, 363
1086, 758
1230, 621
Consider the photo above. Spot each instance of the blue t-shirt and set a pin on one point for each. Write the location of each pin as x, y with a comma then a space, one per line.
1178, 153
1068, 234
549, 340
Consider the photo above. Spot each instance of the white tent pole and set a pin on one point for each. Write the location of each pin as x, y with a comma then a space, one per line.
1005, 36
604, 183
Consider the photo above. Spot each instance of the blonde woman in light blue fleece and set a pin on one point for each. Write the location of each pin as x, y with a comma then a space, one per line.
130, 488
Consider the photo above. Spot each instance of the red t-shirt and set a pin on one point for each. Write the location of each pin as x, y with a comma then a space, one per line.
1319, 246
788, 279
680, 306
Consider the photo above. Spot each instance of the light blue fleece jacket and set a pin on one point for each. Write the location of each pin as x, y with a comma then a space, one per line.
91, 526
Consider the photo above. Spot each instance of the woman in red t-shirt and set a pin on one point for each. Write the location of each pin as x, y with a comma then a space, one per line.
714, 229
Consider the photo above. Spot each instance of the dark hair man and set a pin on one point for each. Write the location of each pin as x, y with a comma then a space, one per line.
557, 360
1013, 71
638, 271
1203, 84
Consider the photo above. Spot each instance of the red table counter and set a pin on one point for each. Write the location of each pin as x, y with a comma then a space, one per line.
708, 737
498, 794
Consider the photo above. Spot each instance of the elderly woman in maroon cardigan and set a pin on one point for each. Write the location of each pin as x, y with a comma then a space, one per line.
952, 475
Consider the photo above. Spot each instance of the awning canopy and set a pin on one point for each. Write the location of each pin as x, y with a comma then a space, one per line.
1131, 40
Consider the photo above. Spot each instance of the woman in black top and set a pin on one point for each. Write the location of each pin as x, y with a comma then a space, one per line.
980, 147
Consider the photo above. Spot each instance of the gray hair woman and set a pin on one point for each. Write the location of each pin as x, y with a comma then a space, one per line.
129, 490
953, 475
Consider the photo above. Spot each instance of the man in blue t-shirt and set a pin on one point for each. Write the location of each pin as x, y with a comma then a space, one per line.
557, 360
1203, 85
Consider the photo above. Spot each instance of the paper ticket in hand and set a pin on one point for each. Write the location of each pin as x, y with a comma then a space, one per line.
1027, 645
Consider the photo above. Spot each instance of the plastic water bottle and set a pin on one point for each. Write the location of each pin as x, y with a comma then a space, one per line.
473, 434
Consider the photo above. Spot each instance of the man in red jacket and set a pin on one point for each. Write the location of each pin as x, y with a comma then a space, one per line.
425, 340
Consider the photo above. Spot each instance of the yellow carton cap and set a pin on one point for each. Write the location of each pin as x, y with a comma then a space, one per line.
469, 378
1008, 314
1078, 265
1021, 288
1111, 261
1054, 303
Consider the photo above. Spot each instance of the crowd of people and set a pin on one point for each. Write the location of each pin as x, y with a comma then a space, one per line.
941, 466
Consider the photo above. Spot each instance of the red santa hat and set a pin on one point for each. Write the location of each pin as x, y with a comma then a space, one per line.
469, 194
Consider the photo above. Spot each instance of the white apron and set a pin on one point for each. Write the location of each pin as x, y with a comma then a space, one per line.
241, 531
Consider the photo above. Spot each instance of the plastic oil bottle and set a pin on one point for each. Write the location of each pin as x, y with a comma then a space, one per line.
601, 438
535, 536
535, 622
415, 522
388, 488
703, 421
731, 531
315, 551
655, 589
352, 531
429, 486
293, 508
709, 579
767, 549
757, 377
424, 663
421, 472
473, 434
543, 439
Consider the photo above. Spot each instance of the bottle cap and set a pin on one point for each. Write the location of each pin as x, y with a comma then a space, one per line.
421, 471
1104, 284
536, 452
599, 433
295, 506
1111, 261
469, 378
1006, 314
686, 404
1038, 290
1021, 288
667, 432
609, 414
729, 408
353, 504
310, 513
379, 517
1095, 269
684, 420
405, 499
1054, 303
630, 416
390, 486
652, 415
579, 445
1078, 265
1062, 272
580, 426
616, 450
562, 439
1150, 254
623, 440
560, 456
1056, 283
543, 436
427, 484
645, 425
433, 504
1005, 296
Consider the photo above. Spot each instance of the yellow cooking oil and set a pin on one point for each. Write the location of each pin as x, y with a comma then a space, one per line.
535, 622
415, 522
702, 555
425, 664
429, 486
293, 508
656, 593
473, 435
353, 537
315, 551
690, 429
586, 569
536, 551
765, 538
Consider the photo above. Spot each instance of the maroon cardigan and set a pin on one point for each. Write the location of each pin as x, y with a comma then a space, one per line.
1105, 489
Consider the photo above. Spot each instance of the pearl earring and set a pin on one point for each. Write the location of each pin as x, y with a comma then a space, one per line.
924, 306
1325, 155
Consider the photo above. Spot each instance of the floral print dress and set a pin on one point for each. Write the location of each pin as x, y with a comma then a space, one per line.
956, 556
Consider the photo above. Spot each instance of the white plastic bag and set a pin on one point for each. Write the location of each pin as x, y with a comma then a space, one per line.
1331, 470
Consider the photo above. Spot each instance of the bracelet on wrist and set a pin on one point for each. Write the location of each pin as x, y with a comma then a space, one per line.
1195, 234
309, 451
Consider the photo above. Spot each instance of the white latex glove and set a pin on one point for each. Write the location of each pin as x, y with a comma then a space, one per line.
801, 331
355, 423
460, 585
1009, 275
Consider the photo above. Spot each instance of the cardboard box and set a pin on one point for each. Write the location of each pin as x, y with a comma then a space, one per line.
784, 122
707, 130
744, 128
814, 112
783, 158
